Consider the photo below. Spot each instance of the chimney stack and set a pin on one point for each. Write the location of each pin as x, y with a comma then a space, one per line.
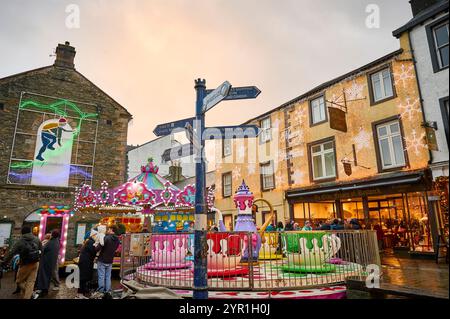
418, 6
65, 56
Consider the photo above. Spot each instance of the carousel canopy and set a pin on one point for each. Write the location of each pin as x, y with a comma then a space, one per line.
148, 190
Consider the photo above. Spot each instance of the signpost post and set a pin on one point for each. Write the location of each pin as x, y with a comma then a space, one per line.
206, 100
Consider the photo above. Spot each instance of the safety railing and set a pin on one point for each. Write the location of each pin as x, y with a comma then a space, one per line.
248, 261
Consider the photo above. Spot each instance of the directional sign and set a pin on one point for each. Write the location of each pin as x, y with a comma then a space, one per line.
178, 152
241, 93
215, 96
166, 129
231, 132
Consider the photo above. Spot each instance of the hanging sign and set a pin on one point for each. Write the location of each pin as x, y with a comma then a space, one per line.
337, 119
431, 139
347, 168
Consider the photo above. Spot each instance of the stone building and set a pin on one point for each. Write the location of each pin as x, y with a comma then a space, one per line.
58, 130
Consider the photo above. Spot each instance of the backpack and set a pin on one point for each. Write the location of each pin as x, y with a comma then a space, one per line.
30, 253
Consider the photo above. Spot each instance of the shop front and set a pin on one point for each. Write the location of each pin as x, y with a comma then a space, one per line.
401, 206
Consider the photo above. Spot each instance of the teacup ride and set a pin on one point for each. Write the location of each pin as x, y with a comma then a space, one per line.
224, 255
169, 252
269, 241
310, 252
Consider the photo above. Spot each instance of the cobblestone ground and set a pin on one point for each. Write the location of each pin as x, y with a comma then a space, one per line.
414, 273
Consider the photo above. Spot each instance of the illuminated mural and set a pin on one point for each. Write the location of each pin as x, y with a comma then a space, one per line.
54, 142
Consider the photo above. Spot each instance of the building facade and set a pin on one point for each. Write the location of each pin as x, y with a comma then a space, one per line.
59, 130
353, 147
428, 34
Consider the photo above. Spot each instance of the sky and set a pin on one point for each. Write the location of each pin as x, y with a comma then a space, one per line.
146, 54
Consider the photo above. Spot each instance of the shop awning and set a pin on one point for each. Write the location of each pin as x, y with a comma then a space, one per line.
393, 183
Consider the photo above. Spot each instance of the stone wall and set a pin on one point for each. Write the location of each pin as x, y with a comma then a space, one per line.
18, 201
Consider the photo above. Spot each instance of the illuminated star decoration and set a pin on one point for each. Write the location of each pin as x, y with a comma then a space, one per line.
299, 116
409, 108
355, 91
404, 75
297, 177
416, 143
361, 140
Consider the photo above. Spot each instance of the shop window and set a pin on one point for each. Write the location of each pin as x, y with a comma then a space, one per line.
437, 34
318, 110
228, 222
266, 130
323, 161
390, 144
445, 117
381, 85
227, 184
226, 147
267, 176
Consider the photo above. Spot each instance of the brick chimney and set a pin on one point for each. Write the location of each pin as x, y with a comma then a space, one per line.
175, 172
418, 6
65, 56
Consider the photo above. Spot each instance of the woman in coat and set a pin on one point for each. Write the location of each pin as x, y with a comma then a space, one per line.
47, 264
86, 264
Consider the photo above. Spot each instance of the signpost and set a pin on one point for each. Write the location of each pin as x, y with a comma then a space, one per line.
229, 132
217, 95
206, 100
241, 93
167, 128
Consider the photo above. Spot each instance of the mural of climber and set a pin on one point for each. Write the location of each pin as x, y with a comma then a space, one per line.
51, 133
54, 150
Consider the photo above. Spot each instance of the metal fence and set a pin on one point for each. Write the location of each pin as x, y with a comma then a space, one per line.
248, 261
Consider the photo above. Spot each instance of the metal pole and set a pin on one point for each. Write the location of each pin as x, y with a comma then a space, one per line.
200, 245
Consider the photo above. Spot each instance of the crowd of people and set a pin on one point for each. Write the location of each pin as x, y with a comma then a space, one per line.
36, 263
330, 224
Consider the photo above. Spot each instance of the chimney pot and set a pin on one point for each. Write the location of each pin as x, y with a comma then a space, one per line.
65, 56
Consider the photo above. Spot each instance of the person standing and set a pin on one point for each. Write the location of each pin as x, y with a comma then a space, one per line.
86, 264
307, 226
29, 249
48, 263
105, 261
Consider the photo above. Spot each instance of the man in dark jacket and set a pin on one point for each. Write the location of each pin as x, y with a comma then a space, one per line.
105, 259
29, 249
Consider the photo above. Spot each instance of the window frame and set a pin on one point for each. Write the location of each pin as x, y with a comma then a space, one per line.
223, 184
371, 88
429, 29
377, 144
223, 147
311, 164
261, 175
311, 117
263, 131
445, 118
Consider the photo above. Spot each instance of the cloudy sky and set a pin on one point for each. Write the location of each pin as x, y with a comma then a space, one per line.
147, 53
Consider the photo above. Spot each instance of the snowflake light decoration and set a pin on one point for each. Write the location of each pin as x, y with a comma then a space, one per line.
361, 140
279, 180
416, 143
237, 172
355, 91
404, 75
251, 167
409, 108
299, 116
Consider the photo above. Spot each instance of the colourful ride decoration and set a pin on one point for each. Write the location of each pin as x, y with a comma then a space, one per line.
224, 255
169, 252
310, 252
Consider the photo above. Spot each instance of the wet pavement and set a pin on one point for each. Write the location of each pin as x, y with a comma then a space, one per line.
406, 272
420, 274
